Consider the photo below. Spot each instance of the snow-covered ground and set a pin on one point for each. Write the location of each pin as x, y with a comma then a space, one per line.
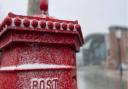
94, 77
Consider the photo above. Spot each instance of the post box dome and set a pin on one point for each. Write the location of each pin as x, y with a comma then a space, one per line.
44, 5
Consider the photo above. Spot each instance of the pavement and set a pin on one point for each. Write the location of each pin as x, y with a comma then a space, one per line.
96, 77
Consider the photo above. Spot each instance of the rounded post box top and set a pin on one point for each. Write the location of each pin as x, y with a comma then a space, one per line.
44, 5
38, 23
42, 23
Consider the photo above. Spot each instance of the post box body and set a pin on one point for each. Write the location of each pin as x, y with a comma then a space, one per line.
37, 58
29, 57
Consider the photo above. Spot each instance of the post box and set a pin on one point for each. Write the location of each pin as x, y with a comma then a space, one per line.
38, 52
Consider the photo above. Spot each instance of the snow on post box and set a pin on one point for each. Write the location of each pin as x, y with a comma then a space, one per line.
38, 52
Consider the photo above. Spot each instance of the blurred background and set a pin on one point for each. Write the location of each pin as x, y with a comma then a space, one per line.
103, 59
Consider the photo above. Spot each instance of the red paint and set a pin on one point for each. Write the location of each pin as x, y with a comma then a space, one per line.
57, 25
12, 15
8, 21
71, 26
50, 24
34, 23
44, 5
78, 27
36, 40
17, 21
64, 26
26, 23
43, 24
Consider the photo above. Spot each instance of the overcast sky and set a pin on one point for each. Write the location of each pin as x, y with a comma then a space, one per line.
93, 15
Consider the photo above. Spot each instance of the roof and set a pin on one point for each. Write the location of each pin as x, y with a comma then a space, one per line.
115, 28
41, 24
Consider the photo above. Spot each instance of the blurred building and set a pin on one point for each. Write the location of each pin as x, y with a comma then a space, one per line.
118, 39
95, 49
33, 7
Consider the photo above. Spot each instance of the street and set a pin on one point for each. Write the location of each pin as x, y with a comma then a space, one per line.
95, 77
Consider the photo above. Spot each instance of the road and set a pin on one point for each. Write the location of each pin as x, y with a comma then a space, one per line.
95, 77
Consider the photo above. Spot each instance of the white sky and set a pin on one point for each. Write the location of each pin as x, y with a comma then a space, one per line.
93, 15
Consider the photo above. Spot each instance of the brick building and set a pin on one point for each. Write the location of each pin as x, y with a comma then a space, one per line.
118, 46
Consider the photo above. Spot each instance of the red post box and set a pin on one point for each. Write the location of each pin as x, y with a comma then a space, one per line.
38, 52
